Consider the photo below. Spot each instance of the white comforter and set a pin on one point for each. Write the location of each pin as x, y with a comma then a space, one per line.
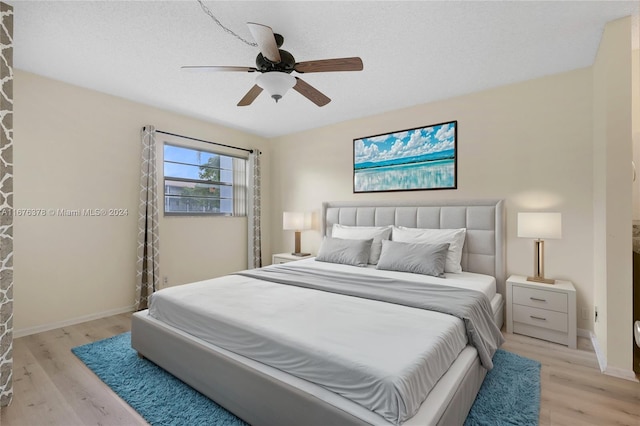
383, 356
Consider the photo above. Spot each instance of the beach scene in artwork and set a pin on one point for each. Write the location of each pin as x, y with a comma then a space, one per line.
422, 158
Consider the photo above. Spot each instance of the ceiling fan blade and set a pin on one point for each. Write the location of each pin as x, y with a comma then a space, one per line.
325, 65
214, 68
263, 35
311, 93
251, 96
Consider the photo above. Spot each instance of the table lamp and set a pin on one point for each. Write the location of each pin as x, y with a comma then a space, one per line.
296, 221
539, 225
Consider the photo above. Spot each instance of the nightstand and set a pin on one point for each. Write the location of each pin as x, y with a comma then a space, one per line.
544, 311
287, 257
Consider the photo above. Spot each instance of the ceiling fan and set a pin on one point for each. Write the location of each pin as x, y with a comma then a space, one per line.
276, 66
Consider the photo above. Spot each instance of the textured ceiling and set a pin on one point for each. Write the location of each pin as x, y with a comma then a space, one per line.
413, 52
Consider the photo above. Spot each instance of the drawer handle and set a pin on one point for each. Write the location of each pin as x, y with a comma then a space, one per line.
538, 300
538, 318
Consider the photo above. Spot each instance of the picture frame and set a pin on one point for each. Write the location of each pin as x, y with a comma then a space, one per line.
416, 159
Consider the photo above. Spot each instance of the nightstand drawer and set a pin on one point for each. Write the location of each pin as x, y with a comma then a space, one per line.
543, 299
540, 318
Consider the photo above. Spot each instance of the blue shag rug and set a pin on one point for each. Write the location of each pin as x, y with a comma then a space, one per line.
510, 394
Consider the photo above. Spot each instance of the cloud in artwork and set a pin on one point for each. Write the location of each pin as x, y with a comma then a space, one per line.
445, 132
365, 152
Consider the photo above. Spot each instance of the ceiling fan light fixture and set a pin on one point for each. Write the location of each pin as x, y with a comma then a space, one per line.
277, 83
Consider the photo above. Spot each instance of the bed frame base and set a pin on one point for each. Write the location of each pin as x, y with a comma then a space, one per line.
458, 409
258, 398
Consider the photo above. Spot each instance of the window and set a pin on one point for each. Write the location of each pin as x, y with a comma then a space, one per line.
198, 182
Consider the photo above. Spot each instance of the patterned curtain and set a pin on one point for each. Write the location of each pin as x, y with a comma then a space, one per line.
253, 211
6, 205
148, 268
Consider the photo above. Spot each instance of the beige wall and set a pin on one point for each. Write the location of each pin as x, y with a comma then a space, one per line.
80, 149
528, 143
612, 88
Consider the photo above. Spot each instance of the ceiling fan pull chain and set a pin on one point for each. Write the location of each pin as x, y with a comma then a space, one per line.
217, 21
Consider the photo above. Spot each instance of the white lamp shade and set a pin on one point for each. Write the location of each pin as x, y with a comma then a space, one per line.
296, 221
540, 225
276, 83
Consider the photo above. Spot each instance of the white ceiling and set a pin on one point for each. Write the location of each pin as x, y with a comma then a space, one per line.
413, 52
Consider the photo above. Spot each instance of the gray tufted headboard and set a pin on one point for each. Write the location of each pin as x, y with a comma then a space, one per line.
484, 250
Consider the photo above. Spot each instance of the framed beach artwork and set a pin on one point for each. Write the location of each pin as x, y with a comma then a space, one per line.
409, 160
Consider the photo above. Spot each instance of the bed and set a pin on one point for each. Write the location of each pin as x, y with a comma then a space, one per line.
286, 390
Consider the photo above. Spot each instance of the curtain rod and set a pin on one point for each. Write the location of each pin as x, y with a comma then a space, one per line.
202, 140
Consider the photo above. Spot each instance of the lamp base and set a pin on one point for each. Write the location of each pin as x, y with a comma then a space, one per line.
541, 280
301, 254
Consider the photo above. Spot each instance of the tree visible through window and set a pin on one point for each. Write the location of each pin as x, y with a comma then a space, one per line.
202, 182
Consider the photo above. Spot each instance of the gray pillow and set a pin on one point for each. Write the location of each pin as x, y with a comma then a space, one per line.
426, 259
378, 233
346, 252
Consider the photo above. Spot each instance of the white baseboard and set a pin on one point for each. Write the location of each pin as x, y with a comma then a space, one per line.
602, 359
21, 332
620, 373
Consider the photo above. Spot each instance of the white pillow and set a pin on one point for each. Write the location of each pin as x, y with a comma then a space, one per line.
455, 238
377, 233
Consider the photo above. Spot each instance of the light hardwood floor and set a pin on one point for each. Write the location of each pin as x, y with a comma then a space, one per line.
53, 387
